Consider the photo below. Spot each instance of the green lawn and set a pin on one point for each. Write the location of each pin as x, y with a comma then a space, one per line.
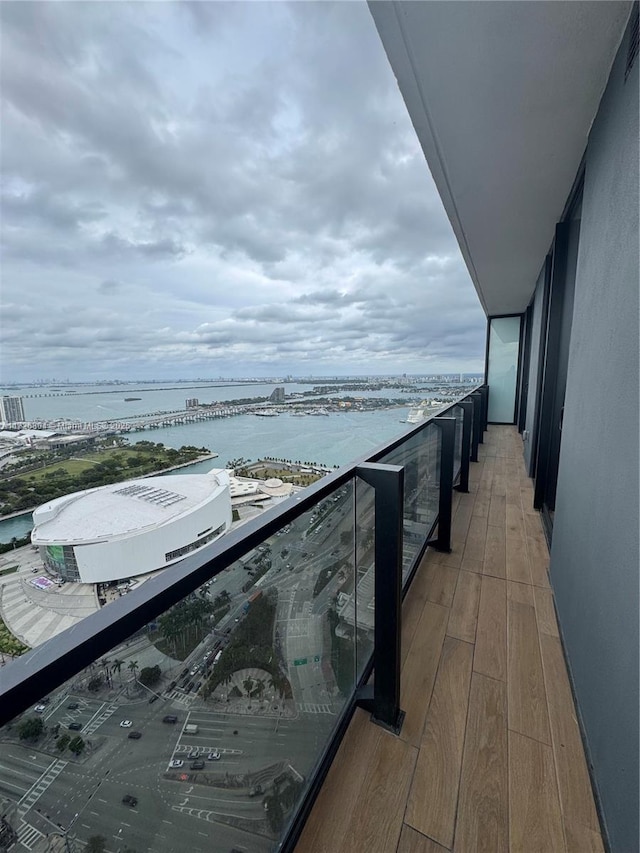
10, 645
9, 570
71, 466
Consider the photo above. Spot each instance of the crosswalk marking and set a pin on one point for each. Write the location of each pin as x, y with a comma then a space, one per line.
99, 719
183, 698
206, 749
312, 708
28, 835
40, 786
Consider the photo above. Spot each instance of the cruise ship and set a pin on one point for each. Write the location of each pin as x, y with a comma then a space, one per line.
423, 411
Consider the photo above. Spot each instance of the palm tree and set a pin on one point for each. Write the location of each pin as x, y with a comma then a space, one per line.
116, 666
104, 663
248, 685
132, 666
259, 688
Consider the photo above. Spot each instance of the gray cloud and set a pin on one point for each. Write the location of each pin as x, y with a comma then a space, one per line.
250, 172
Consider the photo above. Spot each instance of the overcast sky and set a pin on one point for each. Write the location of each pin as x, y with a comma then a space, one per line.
215, 189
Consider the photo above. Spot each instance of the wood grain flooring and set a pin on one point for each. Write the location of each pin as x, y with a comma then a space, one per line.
490, 756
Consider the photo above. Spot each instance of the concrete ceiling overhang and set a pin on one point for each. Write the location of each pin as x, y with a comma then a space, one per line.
502, 96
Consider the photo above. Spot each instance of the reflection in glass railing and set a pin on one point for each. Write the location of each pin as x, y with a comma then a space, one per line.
201, 731
204, 729
360, 613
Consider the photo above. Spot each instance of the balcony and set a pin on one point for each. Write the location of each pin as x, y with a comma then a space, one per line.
485, 752
490, 755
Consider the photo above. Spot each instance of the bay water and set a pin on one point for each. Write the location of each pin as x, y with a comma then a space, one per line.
330, 440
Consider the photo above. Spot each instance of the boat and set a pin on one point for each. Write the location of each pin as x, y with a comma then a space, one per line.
266, 414
421, 412
131, 399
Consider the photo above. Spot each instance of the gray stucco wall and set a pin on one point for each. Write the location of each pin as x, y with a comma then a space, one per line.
534, 365
595, 551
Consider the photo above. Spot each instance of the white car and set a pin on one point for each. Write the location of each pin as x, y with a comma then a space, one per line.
176, 763
40, 709
214, 755
126, 724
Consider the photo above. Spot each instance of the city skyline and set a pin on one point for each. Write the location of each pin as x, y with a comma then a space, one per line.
199, 189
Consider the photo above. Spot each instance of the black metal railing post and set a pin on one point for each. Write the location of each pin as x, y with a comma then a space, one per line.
476, 431
383, 699
465, 454
447, 452
484, 390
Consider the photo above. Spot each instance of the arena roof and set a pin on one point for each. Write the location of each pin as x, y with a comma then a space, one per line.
121, 508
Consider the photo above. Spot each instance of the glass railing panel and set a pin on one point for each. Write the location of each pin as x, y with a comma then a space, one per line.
201, 731
420, 456
363, 605
458, 413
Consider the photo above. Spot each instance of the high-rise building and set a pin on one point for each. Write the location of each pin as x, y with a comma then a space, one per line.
11, 410
277, 395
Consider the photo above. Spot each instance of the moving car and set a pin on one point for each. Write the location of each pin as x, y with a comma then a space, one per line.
170, 718
130, 800
135, 735
40, 709
126, 724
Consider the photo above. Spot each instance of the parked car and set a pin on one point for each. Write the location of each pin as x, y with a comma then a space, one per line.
170, 718
40, 709
153, 699
72, 706
197, 765
75, 727
135, 735
214, 755
176, 763
256, 790
130, 800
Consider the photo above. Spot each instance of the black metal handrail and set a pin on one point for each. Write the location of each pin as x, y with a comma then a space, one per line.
46, 667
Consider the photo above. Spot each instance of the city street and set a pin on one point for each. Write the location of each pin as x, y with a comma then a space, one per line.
250, 742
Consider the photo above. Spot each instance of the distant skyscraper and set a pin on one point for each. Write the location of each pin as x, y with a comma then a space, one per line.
11, 410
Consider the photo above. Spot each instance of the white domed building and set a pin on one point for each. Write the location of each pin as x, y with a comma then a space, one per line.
133, 528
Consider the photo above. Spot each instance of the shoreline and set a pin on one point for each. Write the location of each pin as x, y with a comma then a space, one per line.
202, 458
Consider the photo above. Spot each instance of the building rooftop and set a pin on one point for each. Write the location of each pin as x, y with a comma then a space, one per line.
122, 508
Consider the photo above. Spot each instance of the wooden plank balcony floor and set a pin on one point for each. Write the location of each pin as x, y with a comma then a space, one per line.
490, 756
